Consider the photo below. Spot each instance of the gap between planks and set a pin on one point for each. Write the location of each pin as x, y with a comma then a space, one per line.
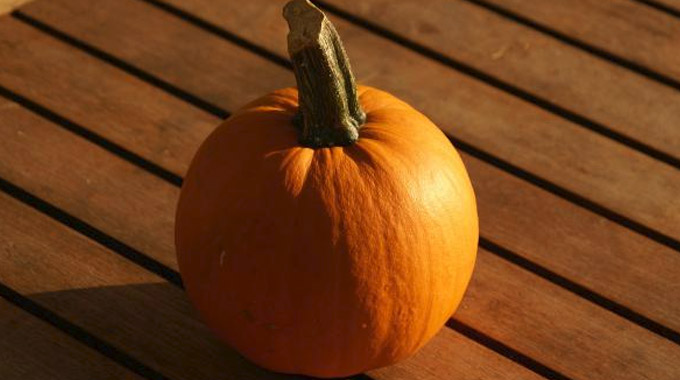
128, 361
537, 180
176, 180
578, 43
31, 349
51, 139
534, 179
504, 85
673, 10
174, 277
114, 270
575, 198
78, 333
639, 322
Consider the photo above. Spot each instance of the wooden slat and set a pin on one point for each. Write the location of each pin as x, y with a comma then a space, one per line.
40, 157
578, 245
568, 240
72, 84
166, 130
559, 73
7, 6
30, 349
451, 356
270, 21
564, 75
111, 298
116, 212
628, 29
600, 169
562, 330
133, 308
163, 42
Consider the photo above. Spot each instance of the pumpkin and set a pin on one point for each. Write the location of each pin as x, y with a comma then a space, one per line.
326, 230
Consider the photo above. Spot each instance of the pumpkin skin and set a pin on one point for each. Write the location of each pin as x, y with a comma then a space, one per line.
332, 261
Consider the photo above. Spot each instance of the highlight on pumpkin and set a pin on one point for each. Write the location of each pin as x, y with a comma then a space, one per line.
327, 229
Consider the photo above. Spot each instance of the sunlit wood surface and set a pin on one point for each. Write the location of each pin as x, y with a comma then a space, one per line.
566, 113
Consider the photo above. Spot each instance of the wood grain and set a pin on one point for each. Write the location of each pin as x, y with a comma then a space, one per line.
31, 349
7, 6
72, 84
123, 303
63, 177
42, 161
576, 244
601, 91
628, 29
583, 325
198, 62
560, 329
566, 239
112, 298
600, 169
449, 355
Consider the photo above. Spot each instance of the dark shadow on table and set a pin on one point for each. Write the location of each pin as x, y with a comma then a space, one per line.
155, 324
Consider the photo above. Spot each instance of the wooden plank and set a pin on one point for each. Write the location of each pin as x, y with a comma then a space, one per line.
31, 349
599, 169
40, 158
628, 29
562, 330
7, 6
576, 244
116, 212
163, 41
451, 356
129, 306
73, 84
111, 297
566, 239
606, 93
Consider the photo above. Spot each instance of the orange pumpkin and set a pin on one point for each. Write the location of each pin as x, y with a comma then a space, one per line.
326, 249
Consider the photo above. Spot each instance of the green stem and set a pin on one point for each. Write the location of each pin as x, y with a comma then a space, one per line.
329, 113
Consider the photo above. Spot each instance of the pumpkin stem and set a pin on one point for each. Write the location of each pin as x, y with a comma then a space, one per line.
329, 113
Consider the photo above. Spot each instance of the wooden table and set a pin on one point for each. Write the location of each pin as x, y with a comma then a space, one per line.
566, 113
